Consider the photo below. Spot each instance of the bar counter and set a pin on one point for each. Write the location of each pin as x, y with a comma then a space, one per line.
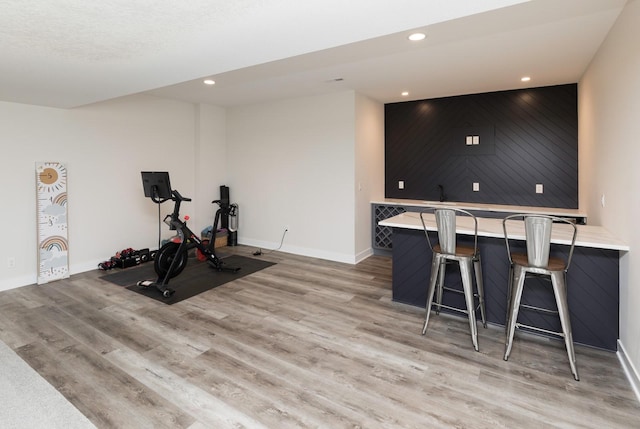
593, 277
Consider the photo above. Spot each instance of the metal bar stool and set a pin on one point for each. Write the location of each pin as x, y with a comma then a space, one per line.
447, 250
537, 262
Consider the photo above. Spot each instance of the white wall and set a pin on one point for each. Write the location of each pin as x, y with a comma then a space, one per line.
369, 169
291, 164
609, 109
104, 147
210, 163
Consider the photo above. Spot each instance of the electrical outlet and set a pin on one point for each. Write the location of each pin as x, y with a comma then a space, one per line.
401, 184
539, 188
476, 186
11, 262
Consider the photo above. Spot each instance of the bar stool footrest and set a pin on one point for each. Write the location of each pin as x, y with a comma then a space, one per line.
538, 309
460, 291
460, 310
448, 307
451, 289
535, 328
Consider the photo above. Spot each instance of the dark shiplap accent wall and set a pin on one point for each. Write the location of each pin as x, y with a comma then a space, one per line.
530, 136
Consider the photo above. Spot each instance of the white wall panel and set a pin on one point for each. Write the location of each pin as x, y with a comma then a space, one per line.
291, 163
104, 147
609, 103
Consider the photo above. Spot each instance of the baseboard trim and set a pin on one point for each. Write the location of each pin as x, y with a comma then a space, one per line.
17, 282
629, 369
363, 255
31, 279
302, 251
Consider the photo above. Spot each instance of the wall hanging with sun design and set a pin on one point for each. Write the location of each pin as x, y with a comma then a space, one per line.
53, 247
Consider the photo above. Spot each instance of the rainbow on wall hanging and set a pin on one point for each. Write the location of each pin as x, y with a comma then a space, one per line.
53, 246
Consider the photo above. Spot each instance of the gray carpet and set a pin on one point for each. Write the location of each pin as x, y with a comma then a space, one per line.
28, 401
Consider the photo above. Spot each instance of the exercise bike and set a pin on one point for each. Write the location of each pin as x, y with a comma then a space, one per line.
171, 258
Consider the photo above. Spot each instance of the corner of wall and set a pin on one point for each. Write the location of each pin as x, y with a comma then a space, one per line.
629, 369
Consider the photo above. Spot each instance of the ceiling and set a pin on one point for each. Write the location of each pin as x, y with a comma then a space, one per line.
69, 53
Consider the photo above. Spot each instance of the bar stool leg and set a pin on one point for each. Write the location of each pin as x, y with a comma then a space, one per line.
467, 285
440, 288
560, 292
477, 265
509, 295
435, 268
516, 295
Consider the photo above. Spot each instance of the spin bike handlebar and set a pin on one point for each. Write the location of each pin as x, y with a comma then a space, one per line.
175, 216
178, 198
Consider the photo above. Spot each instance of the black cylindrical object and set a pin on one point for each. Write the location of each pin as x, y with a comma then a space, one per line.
224, 205
232, 239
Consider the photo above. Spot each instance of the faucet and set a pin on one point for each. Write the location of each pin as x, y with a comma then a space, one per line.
442, 195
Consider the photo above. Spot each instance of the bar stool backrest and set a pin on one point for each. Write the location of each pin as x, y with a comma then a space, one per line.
446, 221
538, 229
446, 228
538, 234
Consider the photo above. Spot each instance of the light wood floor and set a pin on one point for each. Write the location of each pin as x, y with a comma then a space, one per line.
305, 343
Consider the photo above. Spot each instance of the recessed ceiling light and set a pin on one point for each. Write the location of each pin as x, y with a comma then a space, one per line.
405, 93
416, 37
209, 82
525, 79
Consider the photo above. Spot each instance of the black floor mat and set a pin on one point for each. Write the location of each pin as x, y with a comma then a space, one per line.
196, 278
